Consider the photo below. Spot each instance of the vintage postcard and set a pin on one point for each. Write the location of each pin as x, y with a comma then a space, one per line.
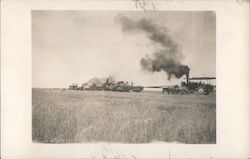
127, 79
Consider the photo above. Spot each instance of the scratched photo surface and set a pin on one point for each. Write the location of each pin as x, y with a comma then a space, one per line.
123, 77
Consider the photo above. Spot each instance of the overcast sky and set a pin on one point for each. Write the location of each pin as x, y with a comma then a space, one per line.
74, 46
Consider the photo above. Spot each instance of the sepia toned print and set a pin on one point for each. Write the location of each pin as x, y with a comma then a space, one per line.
123, 77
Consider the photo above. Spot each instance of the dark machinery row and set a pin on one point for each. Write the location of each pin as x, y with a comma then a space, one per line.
188, 87
120, 86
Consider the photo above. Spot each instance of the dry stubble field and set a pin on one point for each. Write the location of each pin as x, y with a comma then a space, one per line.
64, 116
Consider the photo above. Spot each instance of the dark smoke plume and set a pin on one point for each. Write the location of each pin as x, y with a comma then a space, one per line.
166, 59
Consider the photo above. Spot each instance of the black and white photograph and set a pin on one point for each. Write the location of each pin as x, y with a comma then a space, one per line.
123, 77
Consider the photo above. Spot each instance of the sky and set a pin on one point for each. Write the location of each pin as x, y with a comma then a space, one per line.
75, 46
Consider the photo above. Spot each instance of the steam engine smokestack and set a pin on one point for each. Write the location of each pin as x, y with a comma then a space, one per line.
187, 75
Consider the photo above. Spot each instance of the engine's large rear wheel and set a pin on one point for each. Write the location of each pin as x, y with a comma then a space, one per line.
200, 90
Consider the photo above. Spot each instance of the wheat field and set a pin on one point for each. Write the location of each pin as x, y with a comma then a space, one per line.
67, 116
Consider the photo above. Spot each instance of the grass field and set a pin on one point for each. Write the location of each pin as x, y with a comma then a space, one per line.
64, 116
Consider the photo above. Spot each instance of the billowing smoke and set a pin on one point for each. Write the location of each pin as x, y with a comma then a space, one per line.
167, 58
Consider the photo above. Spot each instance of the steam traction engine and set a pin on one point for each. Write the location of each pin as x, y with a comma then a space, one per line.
191, 87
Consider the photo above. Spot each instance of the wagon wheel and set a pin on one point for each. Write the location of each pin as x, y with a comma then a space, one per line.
200, 90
